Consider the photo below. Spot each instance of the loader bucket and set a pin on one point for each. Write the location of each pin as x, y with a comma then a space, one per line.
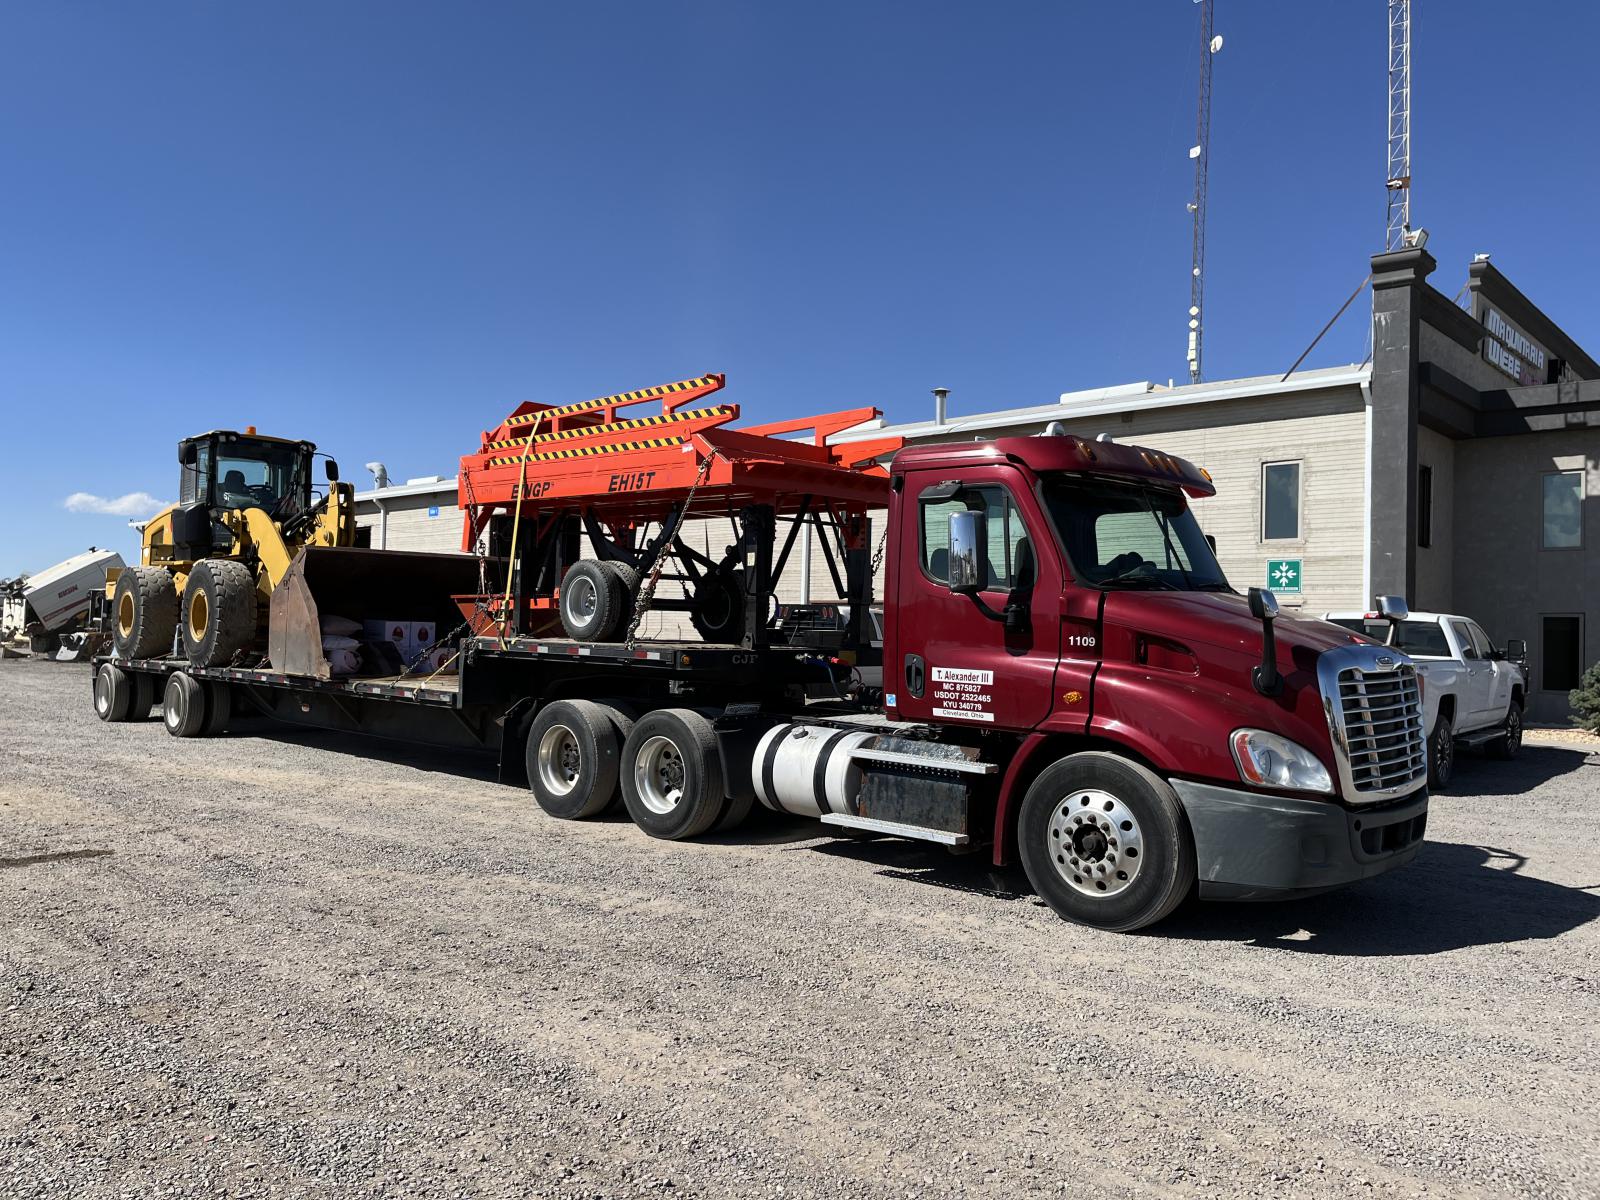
364, 586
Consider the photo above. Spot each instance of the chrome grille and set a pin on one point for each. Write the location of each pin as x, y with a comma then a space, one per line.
1379, 714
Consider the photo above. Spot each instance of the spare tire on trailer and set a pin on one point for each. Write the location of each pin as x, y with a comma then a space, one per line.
144, 612
220, 611
672, 774
573, 751
718, 612
591, 601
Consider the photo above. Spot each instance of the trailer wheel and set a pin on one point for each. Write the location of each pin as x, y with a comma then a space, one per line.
144, 611
591, 601
1105, 843
672, 774
183, 706
219, 708
718, 613
113, 692
572, 756
144, 696
626, 575
219, 611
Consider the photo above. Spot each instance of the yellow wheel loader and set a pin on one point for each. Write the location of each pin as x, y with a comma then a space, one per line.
210, 563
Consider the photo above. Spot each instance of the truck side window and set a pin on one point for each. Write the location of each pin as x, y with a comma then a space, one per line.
1009, 551
1480, 640
1464, 636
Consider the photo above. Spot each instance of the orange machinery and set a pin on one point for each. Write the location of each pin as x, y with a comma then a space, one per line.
548, 476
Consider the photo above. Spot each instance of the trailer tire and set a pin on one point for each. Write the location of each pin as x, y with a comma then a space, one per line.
718, 612
113, 692
220, 611
144, 697
672, 774
219, 708
591, 601
144, 613
183, 705
572, 758
1105, 843
628, 576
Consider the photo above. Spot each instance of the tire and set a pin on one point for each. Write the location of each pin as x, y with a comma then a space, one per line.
735, 811
144, 697
572, 757
1135, 858
183, 705
219, 708
219, 612
1509, 744
718, 613
591, 601
144, 613
672, 774
113, 692
1441, 754
626, 575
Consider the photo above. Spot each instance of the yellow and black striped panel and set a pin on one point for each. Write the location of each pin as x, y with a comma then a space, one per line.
688, 414
585, 451
665, 389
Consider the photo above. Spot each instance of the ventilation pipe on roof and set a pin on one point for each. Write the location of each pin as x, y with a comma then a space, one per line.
380, 480
940, 395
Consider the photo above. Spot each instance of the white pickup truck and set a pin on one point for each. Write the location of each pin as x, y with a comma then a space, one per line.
1472, 694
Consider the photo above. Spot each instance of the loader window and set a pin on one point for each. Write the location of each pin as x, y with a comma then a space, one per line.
260, 476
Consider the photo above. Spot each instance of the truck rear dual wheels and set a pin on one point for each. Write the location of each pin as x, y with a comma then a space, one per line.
1105, 843
220, 611
144, 612
672, 776
574, 754
121, 695
192, 708
597, 599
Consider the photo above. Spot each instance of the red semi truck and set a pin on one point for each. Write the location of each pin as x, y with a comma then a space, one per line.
1069, 680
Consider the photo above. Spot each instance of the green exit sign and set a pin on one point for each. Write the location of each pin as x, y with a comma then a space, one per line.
1284, 575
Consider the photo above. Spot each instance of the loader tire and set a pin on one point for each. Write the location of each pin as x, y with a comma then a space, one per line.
144, 611
219, 612
591, 601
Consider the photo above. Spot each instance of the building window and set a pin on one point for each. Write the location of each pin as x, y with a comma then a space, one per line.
1561, 653
1280, 501
1424, 506
1563, 510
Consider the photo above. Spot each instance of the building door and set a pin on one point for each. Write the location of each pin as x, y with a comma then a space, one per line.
957, 662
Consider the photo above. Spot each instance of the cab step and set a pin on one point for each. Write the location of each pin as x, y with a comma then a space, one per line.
897, 829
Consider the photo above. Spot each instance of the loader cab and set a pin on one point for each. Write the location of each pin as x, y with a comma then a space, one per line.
223, 471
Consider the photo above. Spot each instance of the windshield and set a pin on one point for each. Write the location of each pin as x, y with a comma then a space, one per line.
1130, 535
260, 476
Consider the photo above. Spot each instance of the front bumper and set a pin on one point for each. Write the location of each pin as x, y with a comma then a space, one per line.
1250, 846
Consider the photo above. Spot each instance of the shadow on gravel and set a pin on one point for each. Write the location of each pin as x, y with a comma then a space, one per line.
972, 873
34, 860
1450, 897
468, 764
1479, 775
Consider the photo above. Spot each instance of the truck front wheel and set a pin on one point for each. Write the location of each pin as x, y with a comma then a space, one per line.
1105, 843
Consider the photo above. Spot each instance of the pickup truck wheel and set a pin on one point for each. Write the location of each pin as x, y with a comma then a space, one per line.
1105, 843
1509, 744
573, 751
1441, 754
672, 774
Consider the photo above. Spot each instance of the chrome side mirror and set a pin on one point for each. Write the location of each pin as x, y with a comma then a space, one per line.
966, 552
1393, 608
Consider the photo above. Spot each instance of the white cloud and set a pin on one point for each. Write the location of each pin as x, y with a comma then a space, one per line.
134, 504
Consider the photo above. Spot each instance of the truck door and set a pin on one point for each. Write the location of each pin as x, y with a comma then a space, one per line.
955, 660
1480, 678
1498, 693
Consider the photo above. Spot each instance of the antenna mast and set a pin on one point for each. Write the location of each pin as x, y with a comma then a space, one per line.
1200, 152
1397, 223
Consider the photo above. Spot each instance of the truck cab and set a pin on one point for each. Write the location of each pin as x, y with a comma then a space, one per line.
1054, 599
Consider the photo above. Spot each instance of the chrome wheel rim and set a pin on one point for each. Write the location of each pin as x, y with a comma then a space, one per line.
1095, 843
1444, 752
102, 692
658, 775
581, 600
1513, 731
559, 760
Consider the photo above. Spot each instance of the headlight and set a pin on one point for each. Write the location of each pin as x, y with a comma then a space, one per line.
1267, 760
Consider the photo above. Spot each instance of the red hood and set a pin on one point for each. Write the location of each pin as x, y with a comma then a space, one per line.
1220, 619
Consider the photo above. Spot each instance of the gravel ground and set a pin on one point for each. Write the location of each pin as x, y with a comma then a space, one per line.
270, 965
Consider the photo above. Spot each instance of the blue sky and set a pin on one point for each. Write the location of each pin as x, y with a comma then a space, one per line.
380, 226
